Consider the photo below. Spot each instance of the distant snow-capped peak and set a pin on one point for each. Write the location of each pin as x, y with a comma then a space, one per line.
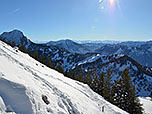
97, 41
16, 35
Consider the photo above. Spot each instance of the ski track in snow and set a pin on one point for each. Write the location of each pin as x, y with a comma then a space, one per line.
64, 98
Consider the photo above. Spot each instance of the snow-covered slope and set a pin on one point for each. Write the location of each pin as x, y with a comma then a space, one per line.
23, 82
147, 104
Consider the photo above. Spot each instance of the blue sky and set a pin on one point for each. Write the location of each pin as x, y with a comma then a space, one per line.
44, 20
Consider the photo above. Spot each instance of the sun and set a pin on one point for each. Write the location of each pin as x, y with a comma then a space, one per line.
111, 2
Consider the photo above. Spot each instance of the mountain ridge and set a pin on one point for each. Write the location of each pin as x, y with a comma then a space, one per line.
15, 36
29, 78
141, 51
71, 61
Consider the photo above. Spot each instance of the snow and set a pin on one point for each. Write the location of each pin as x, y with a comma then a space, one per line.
14, 35
2, 105
17, 98
23, 81
150, 49
147, 104
3, 108
69, 45
119, 51
97, 41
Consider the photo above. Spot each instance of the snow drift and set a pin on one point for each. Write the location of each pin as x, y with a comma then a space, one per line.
23, 82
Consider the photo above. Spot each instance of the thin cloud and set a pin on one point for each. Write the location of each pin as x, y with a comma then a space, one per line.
16, 10
118, 4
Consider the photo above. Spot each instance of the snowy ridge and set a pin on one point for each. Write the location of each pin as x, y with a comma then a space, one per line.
117, 62
141, 51
15, 36
97, 41
27, 80
70, 45
141, 78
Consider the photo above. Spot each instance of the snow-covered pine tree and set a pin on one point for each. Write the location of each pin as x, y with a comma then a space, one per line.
95, 84
117, 92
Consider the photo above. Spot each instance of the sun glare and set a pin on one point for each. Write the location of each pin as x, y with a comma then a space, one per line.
111, 2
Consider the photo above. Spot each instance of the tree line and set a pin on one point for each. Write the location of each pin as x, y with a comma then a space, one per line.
121, 93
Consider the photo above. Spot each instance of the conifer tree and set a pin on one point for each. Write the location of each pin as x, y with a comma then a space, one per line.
36, 54
42, 58
117, 92
13, 44
30, 52
59, 68
2, 39
125, 96
135, 107
151, 95
107, 85
67, 73
101, 84
22, 48
50, 63
88, 78
79, 76
9, 42
95, 84
73, 76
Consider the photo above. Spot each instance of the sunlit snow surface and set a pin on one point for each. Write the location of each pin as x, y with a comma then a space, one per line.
147, 104
23, 80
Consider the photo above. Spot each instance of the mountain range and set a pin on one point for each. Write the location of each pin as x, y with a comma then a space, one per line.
140, 51
75, 57
29, 87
